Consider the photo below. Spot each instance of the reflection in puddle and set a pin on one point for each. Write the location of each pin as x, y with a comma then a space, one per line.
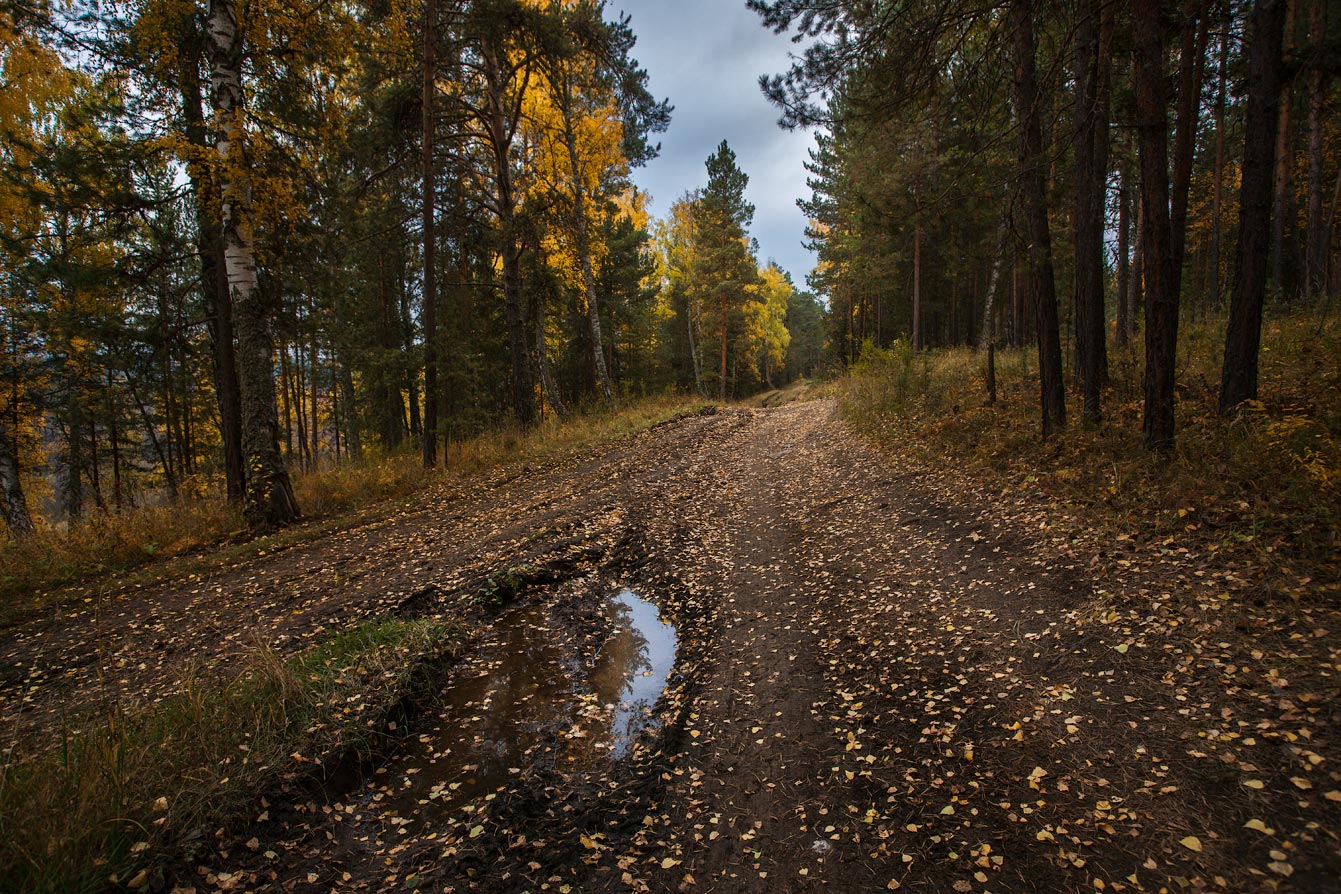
632, 666
518, 704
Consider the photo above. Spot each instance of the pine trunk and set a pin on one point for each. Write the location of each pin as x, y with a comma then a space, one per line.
1191, 71
917, 288
1161, 284
1315, 247
1218, 176
1093, 39
427, 180
583, 236
1033, 174
1238, 377
1282, 250
1123, 260
500, 140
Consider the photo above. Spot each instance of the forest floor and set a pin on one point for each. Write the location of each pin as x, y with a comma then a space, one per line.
888, 677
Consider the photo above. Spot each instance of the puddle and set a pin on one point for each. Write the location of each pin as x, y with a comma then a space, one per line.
631, 668
521, 702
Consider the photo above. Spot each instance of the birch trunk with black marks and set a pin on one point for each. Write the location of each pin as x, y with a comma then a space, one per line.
217, 302
269, 499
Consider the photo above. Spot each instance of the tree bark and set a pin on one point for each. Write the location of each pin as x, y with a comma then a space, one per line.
583, 237
500, 144
269, 496
1093, 39
1315, 247
217, 302
1218, 175
721, 375
1033, 174
917, 287
985, 335
1161, 284
546, 374
13, 503
1238, 377
429, 130
1283, 252
1123, 260
1191, 72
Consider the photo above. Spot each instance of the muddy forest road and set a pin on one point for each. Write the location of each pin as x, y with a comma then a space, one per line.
886, 680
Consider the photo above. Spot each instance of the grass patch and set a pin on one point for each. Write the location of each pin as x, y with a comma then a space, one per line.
33, 571
121, 803
1264, 487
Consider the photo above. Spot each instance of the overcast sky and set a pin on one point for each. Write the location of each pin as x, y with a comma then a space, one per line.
706, 56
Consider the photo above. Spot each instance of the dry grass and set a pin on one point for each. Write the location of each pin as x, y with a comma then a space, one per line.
112, 543
117, 804
1264, 486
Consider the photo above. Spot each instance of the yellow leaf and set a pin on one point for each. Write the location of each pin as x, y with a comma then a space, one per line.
1256, 825
1254, 783
669, 862
1192, 843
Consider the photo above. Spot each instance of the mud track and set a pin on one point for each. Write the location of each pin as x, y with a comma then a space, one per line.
887, 680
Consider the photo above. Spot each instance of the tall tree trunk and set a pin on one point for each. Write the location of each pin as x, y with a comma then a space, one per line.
985, 335
1123, 260
1283, 250
1191, 72
1033, 175
352, 429
1315, 247
1161, 285
13, 503
500, 140
269, 494
721, 374
1243, 338
917, 287
114, 439
1218, 175
551, 387
1093, 40
690, 324
1136, 289
428, 186
217, 301
581, 231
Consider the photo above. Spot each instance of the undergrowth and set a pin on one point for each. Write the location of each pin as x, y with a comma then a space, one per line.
113, 542
120, 803
1264, 486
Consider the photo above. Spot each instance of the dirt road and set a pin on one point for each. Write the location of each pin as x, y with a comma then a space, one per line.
886, 680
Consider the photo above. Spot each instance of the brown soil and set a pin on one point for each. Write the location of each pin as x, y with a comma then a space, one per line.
888, 678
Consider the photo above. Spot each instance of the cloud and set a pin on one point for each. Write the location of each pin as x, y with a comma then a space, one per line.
706, 56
